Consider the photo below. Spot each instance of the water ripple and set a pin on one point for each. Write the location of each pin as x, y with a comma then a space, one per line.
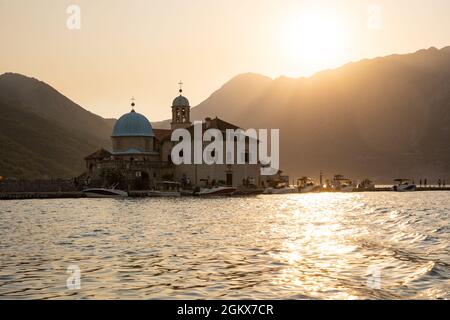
318, 246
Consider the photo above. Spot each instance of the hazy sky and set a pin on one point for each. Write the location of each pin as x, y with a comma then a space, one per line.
143, 48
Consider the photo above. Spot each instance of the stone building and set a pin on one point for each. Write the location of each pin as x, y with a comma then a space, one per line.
141, 155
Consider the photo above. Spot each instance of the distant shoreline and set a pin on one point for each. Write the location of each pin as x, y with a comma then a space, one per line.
137, 194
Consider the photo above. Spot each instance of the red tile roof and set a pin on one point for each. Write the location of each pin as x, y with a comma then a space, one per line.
99, 154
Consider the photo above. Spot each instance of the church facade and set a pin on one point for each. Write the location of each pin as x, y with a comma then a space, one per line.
141, 156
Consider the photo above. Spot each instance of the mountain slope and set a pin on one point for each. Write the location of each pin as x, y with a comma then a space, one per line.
230, 100
380, 118
44, 134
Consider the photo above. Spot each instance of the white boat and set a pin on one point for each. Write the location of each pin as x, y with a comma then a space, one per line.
306, 185
216, 191
366, 185
404, 185
281, 188
104, 193
342, 184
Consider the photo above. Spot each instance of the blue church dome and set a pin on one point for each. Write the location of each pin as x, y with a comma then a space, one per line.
180, 101
133, 124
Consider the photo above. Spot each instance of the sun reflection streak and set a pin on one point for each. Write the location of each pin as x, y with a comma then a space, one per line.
314, 261
318, 246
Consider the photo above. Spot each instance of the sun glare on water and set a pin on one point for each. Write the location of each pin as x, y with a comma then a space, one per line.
313, 41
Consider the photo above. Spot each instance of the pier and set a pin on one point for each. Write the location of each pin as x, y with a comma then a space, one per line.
144, 194
386, 189
41, 195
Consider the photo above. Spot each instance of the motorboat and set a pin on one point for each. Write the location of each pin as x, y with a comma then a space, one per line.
306, 185
187, 192
366, 184
281, 188
104, 193
216, 191
342, 184
404, 185
248, 191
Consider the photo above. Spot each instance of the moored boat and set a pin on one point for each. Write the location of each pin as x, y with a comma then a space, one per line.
216, 191
342, 184
248, 192
305, 185
366, 185
404, 185
281, 188
104, 193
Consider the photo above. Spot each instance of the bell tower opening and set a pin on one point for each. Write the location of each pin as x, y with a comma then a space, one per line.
180, 111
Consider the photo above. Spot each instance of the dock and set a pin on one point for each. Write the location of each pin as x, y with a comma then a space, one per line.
41, 195
144, 194
386, 189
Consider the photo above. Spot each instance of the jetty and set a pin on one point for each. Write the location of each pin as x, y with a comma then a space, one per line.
41, 195
142, 194
385, 189
150, 193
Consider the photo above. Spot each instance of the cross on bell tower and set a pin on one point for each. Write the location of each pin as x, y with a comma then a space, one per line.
180, 110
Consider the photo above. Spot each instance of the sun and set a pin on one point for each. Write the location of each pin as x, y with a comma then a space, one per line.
313, 41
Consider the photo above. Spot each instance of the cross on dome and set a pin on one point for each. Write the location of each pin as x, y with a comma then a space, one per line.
133, 103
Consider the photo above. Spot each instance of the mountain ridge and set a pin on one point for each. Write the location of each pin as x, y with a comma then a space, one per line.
380, 118
44, 134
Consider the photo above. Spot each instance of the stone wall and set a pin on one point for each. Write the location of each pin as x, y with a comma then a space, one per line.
55, 185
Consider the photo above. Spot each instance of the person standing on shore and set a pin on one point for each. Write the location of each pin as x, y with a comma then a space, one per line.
425, 183
439, 183
420, 183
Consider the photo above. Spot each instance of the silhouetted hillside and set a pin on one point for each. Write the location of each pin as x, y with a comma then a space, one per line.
379, 118
43, 133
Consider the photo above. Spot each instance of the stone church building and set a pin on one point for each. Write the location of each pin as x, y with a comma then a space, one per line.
141, 156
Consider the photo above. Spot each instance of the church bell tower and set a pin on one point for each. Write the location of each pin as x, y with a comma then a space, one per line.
180, 111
